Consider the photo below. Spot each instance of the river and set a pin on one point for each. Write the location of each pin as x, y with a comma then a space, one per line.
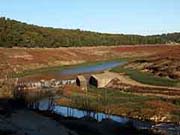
70, 72
99, 116
80, 113
90, 68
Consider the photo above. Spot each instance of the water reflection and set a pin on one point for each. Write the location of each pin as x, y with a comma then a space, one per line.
90, 68
79, 113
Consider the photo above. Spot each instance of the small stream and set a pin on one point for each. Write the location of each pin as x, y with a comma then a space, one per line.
99, 116
66, 111
69, 112
74, 70
90, 68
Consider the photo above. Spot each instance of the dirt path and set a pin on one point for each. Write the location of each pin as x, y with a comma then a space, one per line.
128, 80
148, 89
24, 122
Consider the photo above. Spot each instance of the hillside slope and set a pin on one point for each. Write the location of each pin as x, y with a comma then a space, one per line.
17, 34
163, 64
20, 59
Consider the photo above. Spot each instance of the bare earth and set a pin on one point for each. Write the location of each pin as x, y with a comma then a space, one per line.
20, 59
124, 80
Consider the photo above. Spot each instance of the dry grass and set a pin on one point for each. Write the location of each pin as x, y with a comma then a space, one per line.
32, 58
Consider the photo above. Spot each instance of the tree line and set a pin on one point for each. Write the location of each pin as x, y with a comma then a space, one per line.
17, 34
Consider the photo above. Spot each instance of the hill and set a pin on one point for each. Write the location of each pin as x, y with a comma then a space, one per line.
17, 34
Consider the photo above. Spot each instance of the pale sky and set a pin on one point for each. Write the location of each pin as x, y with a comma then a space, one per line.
145, 17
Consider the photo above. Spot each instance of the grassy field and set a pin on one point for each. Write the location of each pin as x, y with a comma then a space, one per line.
146, 77
37, 71
123, 103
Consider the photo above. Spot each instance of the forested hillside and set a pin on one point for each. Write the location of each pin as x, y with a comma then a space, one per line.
14, 33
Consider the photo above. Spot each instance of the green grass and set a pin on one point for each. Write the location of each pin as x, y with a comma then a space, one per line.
124, 103
146, 78
38, 71
118, 97
109, 97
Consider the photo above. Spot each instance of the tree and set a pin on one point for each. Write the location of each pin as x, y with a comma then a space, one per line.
14, 33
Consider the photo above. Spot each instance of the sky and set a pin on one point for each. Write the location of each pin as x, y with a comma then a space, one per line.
144, 17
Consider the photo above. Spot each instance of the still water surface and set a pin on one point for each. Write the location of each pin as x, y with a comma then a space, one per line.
90, 68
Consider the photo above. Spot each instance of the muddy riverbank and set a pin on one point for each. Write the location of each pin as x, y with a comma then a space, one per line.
75, 118
16, 119
22, 121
